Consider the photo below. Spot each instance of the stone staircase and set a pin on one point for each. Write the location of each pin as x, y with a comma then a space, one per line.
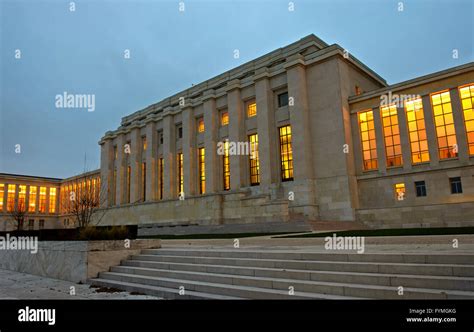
274, 274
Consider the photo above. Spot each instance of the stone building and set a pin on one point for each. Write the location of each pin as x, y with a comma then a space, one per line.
45, 202
304, 133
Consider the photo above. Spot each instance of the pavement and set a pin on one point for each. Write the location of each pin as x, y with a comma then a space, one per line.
23, 286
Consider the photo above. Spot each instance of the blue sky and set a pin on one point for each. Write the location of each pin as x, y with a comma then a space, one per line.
81, 52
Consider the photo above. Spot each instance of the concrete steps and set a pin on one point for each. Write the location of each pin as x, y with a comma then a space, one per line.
274, 274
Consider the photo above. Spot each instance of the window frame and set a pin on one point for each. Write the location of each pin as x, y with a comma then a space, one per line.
423, 191
455, 184
288, 158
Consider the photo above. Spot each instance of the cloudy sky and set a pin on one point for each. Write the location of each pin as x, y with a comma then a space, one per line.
47, 49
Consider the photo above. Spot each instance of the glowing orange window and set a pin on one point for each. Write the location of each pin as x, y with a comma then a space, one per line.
466, 93
251, 110
367, 139
444, 123
391, 133
417, 131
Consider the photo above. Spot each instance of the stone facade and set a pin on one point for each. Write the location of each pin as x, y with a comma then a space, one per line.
326, 90
317, 79
162, 166
34, 196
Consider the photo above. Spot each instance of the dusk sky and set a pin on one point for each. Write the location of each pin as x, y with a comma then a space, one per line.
82, 52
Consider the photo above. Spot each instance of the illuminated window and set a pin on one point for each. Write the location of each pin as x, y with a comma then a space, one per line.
129, 175
42, 200
22, 198
161, 166
11, 197
200, 123
367, 139
32, 199
144, 143
69, 204
254, 163
226, 166
400, 191
283, 99
202, 171
251, 109
391, 133
144, 181
286, 154
466, 93
98, 188
180, 174
52, 200
2, 195
417, 131
444, 123
224, 118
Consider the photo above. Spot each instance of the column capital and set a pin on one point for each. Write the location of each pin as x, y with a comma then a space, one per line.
261, 73
294, 60
209, 94
232, 85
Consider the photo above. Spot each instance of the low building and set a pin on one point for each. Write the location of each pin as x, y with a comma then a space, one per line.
45, 203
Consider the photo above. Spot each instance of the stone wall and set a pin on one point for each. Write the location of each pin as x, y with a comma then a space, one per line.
75, 261
440, 215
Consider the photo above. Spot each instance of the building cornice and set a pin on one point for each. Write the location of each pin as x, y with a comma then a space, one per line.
267, 66
414, 82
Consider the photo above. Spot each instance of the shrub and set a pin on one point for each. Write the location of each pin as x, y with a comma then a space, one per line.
109, 233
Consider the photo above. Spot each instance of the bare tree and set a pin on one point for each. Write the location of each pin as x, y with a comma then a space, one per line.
85, 199
19, 213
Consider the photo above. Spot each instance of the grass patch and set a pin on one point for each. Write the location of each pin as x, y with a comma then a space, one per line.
212, 236
390, 232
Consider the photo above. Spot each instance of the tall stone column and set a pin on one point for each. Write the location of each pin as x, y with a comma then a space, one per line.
189, 150
430, 131
299, 118
169, 157
379, 139
236, 133
267, 132
404, 139
121, 176
5, 194
151, 162
47, 199
211, 126
459, 126
135, 164
106, 172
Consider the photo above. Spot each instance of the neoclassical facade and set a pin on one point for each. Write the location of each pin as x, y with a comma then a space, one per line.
44, 202
306, 132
